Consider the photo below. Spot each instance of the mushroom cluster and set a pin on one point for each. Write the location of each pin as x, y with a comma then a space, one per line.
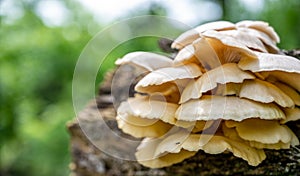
229, 88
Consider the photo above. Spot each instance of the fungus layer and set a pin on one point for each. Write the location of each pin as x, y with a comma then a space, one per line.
227, 89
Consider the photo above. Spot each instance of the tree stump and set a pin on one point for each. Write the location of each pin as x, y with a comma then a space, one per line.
88, 160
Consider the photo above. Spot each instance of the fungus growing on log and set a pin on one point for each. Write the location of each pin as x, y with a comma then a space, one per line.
231, 88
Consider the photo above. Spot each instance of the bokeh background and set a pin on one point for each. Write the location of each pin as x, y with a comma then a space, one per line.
41, 40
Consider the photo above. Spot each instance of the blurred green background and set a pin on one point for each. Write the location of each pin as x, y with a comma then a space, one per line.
38, 57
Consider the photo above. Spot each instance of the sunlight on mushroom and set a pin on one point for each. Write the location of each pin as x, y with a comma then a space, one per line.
265, 92
169, 74
229, 88
146, 60
211, 107
292, 93
146, 154
292, 114
291, 79
270, 62
141, 127
227, 73
263, 131
260, 26
189, 36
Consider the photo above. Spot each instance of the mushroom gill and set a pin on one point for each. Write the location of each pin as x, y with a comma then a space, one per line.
227, 89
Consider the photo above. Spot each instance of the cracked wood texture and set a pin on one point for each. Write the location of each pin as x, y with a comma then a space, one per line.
88, 160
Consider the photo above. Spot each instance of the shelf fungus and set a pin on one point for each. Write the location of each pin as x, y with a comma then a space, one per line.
228, 89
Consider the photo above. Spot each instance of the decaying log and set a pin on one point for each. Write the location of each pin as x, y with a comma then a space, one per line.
88, 160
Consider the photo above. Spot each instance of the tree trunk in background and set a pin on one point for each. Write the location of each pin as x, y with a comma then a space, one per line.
87, 160
222, 4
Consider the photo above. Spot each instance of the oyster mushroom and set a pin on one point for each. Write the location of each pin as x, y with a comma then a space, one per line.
211, 107
219, 144
200, 52
162, 152
263, 131
230, 41
232, 134
189, 36
292, 93
145, 107
291, 79
270, 45
169, 74
146, 60
142, 127
270, 62
247, 39
145, 154
265, 92
292, 114
143, 114
228, 89
168, 81
260, 26
226, 73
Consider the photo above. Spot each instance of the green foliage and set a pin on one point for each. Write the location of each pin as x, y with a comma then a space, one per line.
286, 20
36, 66
142, 44
282, 15
36, 70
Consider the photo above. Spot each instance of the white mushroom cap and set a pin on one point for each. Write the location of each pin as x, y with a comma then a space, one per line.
249, 89
261, 26
146, 151
229, 41
143, 117
172, 143
294, 140
198, 126
217, 25
200, 52
263, 37
142, 127
161, 152
146, 60
143, 111
189, 36
280, 145
270, 62
229, 130
292, 114
144, 107
228, 54
215, 48
186, 55
252, 42
265, 92
228, 89
263, 131
218, 144
170, 91
276, 146
291, 79
168, 74
185, 39
226, 108
231, 133
224, 74
292, 93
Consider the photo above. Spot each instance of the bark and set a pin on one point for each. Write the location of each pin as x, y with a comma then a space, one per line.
88, 160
